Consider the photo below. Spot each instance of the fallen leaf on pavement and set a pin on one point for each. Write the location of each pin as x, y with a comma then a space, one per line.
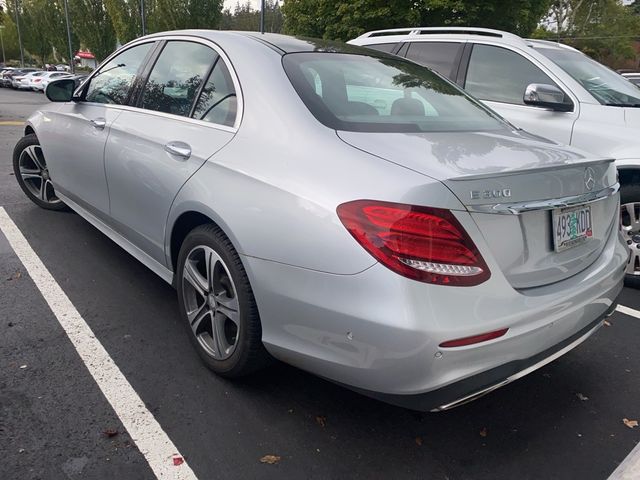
110, 432
322, 421
483, 432
178, 460
630, 423
582, 397
270, 459
419, 441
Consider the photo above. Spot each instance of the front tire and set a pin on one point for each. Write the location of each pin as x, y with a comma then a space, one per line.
217, 304
32, 173
630, 212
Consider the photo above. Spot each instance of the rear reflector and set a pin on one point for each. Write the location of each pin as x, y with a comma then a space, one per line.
421, 243
484, 337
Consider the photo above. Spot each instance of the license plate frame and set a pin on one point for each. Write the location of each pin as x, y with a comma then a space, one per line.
571, 226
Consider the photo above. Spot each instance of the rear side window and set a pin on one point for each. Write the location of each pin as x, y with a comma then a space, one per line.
115, 79
176, 77
500, 75
218, 101
383, 47
438, 56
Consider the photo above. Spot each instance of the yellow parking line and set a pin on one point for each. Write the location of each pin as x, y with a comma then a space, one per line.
11, 123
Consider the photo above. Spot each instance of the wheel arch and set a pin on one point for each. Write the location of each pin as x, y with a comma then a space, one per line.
28, 130
184, 223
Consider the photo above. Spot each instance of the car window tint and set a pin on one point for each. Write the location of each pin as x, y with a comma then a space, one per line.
218, 101
383, 47
114, 80
439, 56
500, 75
176, 77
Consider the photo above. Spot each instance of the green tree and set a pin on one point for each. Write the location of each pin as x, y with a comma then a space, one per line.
179, 14
245, 17
92, 24
346, 19
9, 37
603, 29
43, 28
125, 18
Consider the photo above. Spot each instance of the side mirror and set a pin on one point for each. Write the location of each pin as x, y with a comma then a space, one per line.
547, 96
61, 90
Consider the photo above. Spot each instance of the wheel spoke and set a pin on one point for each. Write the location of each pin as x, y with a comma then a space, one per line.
634, 263
31, 151
219, 343
196, 317
43, 190
229, 307
28, 173
195, 279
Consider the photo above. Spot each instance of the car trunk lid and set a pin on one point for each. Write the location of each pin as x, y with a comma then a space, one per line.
516, 188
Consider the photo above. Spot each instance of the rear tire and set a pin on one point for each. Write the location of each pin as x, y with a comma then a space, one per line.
217, 304
630, 211
32, 173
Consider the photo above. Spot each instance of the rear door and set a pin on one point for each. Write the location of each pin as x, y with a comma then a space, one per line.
499, 77
74, 143
185, 112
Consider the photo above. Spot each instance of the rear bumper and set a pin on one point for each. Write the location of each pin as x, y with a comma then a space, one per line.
479, 385
379, 333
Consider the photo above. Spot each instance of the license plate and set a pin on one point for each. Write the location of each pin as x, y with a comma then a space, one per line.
571, 227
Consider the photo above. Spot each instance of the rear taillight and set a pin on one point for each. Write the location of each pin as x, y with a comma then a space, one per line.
421, 243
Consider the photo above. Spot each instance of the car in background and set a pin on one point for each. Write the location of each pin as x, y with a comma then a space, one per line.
23, 82
7, 77
32, 80
346, 211
546, 88
4, 71
40, 83
633, 77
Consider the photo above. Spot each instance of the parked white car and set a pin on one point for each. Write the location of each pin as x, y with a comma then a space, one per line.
546, 88
24, 82
40, 83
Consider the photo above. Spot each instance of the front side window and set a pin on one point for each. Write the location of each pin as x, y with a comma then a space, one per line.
113, 82
605, 85
500, 75
440, 56
382, 94
176, 77
218, 101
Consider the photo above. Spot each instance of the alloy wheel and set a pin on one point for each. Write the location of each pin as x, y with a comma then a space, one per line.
211, 302
35, 174
631, 230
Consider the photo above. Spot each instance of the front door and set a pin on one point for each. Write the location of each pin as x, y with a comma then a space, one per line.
499, 77
185, 114
77, 167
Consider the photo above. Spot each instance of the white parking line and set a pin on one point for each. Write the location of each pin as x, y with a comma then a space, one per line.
629, 469
145, 431
628, 311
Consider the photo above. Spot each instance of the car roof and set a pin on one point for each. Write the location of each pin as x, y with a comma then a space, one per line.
454, 33
281, 43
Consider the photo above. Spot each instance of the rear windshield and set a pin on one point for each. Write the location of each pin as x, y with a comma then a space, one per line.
364, 93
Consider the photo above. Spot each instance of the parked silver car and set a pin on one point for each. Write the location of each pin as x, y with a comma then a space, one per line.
342, 210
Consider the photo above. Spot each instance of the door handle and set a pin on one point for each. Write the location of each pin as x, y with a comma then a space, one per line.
179, 149
98, 123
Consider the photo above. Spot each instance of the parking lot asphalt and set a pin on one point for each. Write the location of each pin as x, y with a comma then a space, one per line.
564, 421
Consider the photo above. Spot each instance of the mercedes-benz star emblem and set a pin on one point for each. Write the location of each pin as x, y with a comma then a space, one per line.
589, 178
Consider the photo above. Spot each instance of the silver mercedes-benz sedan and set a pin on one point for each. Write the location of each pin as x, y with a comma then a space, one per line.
345, 211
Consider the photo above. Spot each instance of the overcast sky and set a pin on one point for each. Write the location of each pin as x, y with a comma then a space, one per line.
232, 3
